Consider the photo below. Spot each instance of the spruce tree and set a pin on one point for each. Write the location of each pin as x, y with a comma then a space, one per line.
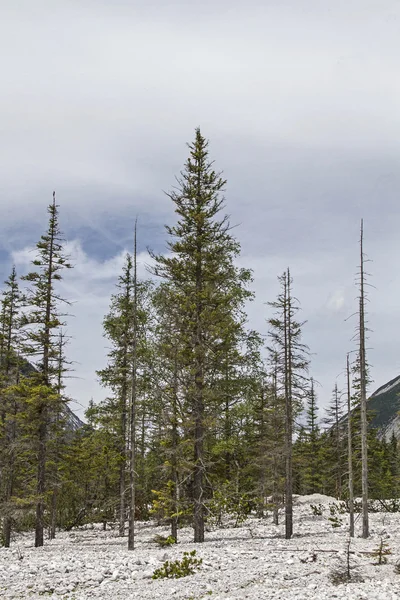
42, 321
10, 305
209, 290
334, 414
127, 327
118, 328
312, 476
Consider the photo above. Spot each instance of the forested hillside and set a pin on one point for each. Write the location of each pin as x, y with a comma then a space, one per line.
202, 418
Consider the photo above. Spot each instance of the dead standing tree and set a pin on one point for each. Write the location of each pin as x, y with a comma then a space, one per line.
286, 333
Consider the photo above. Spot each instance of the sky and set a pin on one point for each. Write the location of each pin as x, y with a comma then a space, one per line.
301, 103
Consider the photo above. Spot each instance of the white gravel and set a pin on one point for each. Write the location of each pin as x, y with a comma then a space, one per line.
252, 561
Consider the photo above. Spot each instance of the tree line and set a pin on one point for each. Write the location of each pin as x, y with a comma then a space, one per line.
202, 417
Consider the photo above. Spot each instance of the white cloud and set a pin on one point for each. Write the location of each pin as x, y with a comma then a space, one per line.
300, 100
336, 301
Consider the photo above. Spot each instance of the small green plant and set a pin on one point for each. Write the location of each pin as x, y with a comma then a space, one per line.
163, 541
179, 568
347, 571
317, 510
381, 553
334, 519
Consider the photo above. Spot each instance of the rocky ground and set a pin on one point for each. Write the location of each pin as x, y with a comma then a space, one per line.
251, 561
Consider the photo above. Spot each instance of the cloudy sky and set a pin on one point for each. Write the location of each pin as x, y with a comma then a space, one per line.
301, 102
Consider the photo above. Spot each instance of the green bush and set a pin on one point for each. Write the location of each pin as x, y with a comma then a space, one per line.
334, 519
179, 568
226, 502
381, 553
163, 541
317, 509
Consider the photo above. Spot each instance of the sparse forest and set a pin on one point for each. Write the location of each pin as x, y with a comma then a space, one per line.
204, 419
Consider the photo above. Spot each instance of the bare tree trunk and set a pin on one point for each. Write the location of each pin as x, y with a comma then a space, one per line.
41, 477
198, 476
7, 523
43, 413
263, 451
132, 462
350, 451
53, 515
123, 441
199, 458
174, 458
276, 496
363, 396
288, 412
338, 449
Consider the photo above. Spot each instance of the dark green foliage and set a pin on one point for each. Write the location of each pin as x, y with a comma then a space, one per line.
381, 553
317, 510
179, 568
163, 541
227, 502
334, 518
208, 292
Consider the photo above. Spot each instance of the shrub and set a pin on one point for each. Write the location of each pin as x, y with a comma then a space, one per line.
163, 541
317, 510
334, 519
179, 568
381, 553
226, 502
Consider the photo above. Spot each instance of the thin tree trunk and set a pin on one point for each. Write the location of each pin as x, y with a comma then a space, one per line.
43, 413
350, 451
132, 462
198, 520
363, 397
338, 449
275, 463
7, 523
262, 451
123, 440
41, 477
289, 413
54, 498
174, 458
53, 517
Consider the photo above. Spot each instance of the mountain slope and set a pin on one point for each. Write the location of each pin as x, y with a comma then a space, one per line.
384, 404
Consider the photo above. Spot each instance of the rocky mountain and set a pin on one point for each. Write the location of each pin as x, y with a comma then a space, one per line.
73, 422
384, 406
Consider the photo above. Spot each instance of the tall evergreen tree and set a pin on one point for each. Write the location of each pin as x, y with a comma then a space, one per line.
133, 404
209, 290
312, 440
118, 328
42, 321
10, 304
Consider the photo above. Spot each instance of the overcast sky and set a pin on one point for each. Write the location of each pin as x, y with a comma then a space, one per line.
301, 103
